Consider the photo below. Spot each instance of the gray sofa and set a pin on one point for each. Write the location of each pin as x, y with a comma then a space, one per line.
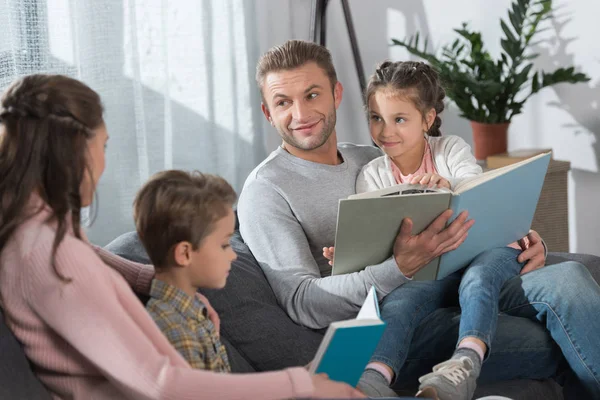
257, 333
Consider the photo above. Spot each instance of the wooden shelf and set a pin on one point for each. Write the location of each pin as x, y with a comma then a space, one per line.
551, 219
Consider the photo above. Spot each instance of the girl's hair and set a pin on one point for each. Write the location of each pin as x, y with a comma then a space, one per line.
46, 121
415, 80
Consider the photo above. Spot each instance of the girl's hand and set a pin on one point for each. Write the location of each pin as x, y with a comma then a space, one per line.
328, 254
431, 180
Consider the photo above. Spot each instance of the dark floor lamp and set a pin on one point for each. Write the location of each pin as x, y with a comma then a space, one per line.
318, 33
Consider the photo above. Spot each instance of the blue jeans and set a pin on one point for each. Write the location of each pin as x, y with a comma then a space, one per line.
478, 287
479, 292
563, 297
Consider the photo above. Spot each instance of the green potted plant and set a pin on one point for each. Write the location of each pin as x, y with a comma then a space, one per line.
491, 92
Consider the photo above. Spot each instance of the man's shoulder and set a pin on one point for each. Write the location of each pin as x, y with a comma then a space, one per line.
264, 176
360, 153
378, 162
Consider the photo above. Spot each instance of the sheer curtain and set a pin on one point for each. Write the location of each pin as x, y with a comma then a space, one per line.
176, 79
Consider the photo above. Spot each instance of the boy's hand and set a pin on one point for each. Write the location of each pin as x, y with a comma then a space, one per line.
328, 253
431, 180
212, 313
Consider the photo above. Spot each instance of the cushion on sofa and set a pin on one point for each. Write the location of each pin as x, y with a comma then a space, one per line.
17, 380
255, 325
591, 262
251, 318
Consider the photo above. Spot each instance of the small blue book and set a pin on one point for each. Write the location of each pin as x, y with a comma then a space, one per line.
348, 346
501, 201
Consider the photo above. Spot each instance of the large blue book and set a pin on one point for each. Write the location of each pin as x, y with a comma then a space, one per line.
501, 201
348, 346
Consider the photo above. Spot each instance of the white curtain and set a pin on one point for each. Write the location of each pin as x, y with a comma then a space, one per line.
176, 79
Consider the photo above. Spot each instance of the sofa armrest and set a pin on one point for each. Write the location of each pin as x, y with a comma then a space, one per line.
590, 261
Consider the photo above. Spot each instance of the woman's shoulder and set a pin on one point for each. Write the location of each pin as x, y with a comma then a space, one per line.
30, 236
33, 242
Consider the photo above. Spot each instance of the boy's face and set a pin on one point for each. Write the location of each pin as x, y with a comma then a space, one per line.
210, 264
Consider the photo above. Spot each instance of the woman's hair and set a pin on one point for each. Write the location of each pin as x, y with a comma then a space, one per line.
46, 121
417, 81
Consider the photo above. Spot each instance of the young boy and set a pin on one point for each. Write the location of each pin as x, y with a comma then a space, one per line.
185, 221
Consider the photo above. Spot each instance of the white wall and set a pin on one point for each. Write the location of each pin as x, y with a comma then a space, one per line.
564, 118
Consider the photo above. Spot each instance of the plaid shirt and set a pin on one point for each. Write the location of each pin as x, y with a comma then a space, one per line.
184, 321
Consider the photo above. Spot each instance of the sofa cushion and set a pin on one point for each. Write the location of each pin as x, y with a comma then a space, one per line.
251, 318
17, 381
591, 262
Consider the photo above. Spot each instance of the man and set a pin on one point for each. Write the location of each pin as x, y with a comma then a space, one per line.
287, 213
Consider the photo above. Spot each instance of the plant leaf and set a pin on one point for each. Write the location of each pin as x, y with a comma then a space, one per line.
507, 32
535, 83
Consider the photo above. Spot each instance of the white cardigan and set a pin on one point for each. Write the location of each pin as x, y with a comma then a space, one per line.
451, 155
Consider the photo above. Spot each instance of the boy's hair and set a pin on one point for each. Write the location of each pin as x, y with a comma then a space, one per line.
291, 55
176, 206
417, 81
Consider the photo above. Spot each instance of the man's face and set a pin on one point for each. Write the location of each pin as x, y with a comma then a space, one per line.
301, 105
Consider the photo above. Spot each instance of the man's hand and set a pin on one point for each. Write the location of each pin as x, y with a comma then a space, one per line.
430, 180
533, 252
212, 314
414, 252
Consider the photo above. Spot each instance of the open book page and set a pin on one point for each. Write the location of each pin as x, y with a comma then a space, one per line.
398, 190
470, 183
370, 308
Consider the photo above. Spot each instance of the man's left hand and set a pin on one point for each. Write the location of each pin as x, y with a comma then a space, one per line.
533, 254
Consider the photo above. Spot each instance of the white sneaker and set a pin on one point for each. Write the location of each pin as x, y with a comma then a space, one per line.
451, 380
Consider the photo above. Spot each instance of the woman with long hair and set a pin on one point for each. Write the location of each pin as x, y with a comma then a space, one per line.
71, 304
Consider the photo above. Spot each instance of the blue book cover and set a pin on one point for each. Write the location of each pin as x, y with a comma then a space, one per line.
502, 207
348, 346
502, 202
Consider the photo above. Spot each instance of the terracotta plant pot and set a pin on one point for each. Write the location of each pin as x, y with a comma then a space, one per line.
489, 139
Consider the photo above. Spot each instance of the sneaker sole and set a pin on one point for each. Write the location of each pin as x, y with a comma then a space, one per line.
427, 393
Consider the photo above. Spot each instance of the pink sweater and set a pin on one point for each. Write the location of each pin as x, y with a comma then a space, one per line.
93, 339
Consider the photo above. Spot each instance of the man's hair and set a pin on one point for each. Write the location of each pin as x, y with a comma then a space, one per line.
176, 206
291, 55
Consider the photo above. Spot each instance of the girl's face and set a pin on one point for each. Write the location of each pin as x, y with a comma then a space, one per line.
396, 125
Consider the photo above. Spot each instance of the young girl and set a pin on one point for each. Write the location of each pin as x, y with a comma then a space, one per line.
404, 100
83, 329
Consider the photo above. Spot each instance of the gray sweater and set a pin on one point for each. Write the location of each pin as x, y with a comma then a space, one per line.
287, 212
